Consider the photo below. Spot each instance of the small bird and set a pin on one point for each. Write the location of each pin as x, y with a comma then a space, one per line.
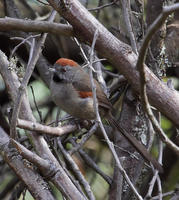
71, 90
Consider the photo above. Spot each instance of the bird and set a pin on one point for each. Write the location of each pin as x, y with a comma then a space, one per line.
71, 90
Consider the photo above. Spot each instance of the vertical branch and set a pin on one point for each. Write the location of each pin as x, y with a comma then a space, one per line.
77, 172
126, 13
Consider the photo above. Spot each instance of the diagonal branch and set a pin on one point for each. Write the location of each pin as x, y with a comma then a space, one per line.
30, 177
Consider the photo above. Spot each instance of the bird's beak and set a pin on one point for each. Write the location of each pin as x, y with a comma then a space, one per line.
52, 69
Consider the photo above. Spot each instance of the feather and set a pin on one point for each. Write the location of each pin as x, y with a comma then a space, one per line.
85, 91
65, 62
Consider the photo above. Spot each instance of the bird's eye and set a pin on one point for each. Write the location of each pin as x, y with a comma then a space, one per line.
63, 69
56, 78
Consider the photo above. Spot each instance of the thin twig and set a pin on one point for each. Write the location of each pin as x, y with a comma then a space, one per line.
22, 88
91, 163
159, 188
126, 13
76, 171
155, 176
123, 172
94, 61
99, 60
23, 41
84, 139
83, 53
103, 6
141, 67
100, 2
99, 73
35, 103
97, 68
164, 195
158, 177
46, 4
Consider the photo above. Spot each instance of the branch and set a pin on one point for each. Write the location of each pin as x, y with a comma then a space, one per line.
41, 163
103, 6
126, 9
84, 139
55, 131
76, 171
91, 163
164, 195
155, 176
11, 24
23, 41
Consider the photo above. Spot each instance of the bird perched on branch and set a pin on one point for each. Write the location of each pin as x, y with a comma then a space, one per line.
71, 90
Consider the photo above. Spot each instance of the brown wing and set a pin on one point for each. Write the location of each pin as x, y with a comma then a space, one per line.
86, 91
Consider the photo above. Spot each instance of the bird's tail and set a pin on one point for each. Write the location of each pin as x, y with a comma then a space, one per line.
136, 144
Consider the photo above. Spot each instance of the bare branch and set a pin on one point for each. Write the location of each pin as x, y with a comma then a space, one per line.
84, 139
155, 176
126, 13
164, 195
23, 41
91, 163
103, 6
76, 171
56, 131
11, 24
42, 164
